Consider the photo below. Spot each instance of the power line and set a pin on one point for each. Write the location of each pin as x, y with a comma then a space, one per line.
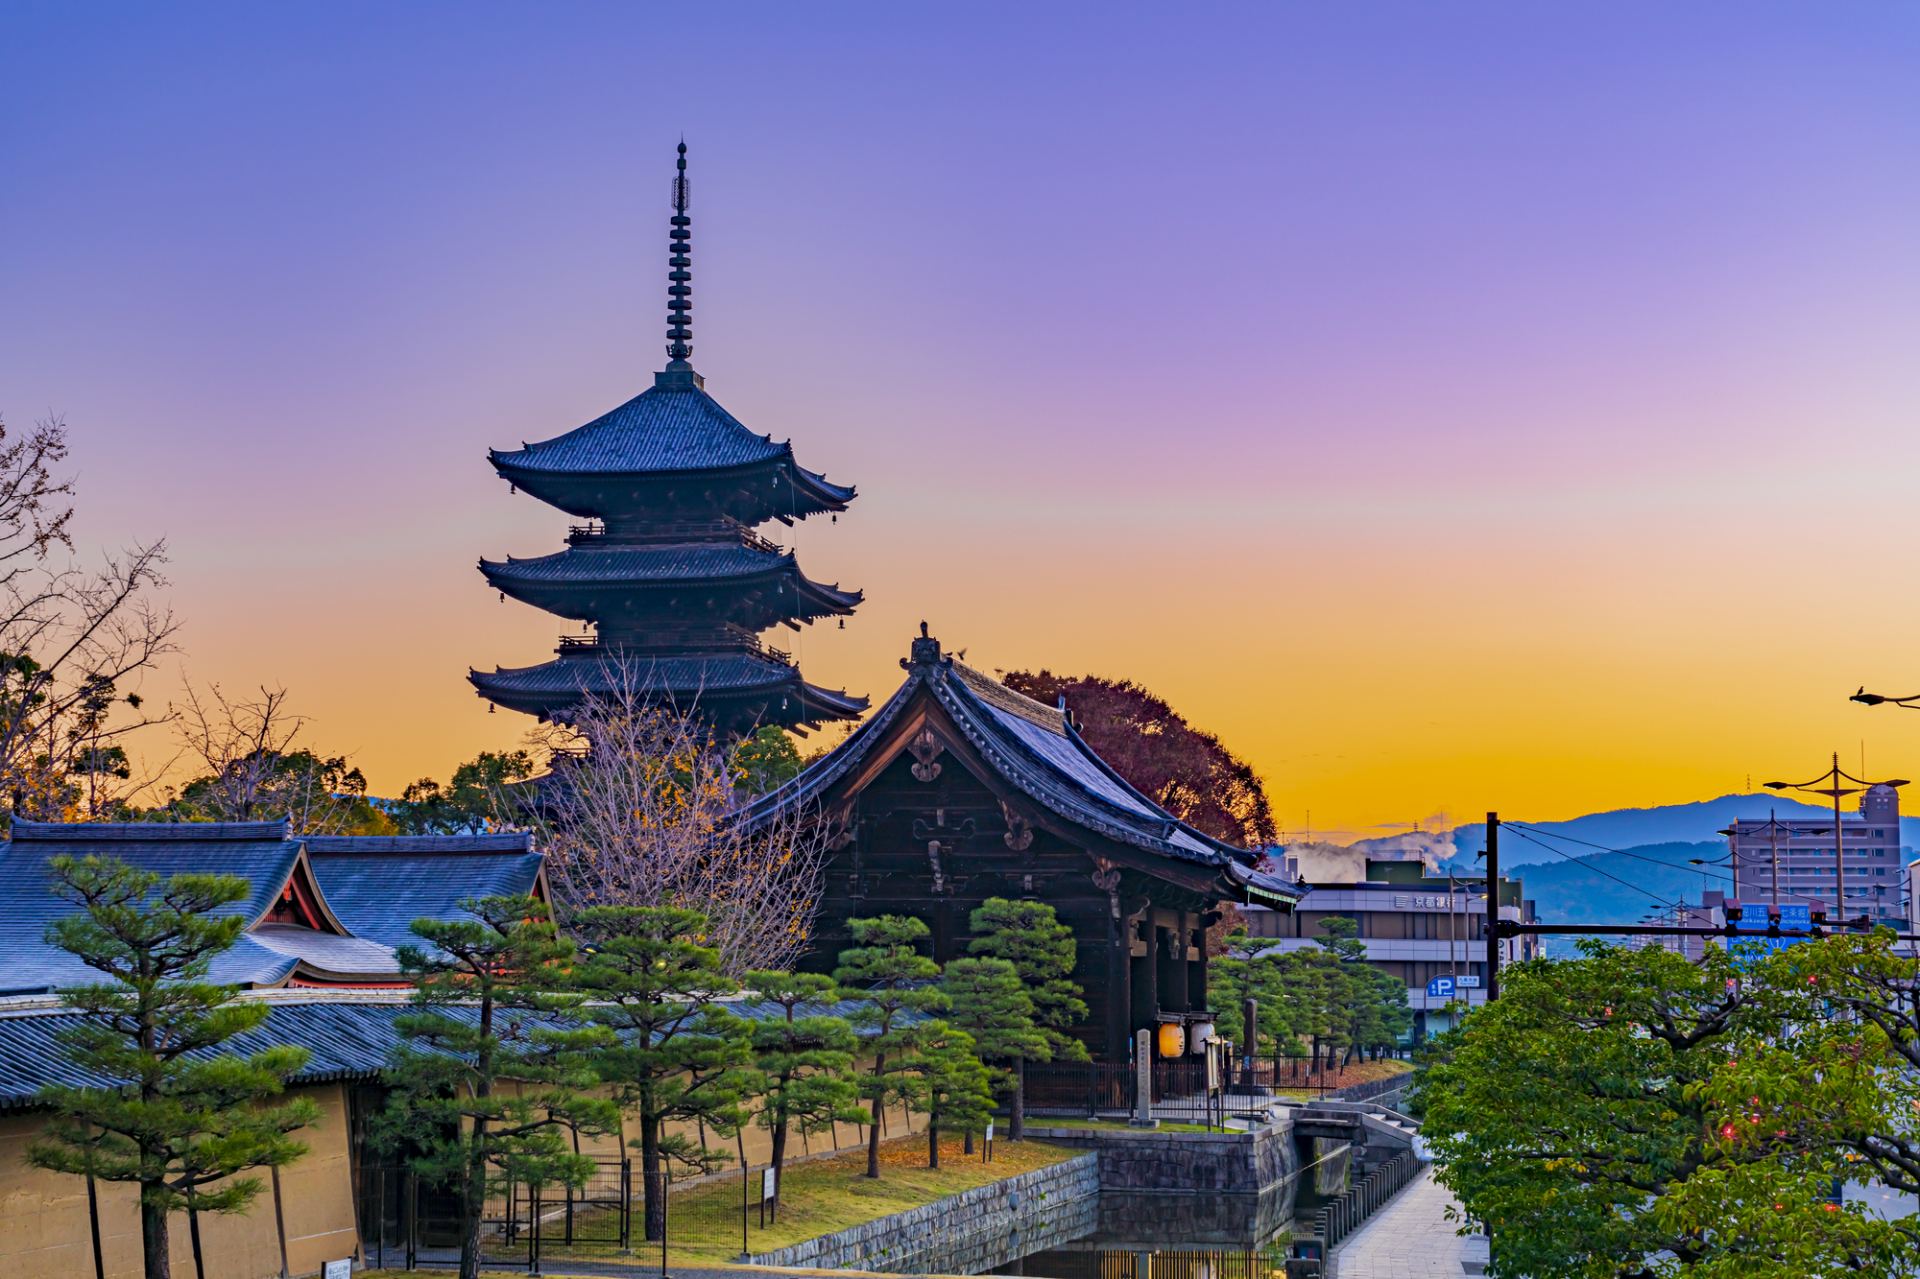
1589, 865
1624, 852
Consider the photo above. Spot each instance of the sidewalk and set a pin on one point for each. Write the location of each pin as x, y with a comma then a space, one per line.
1410, 1238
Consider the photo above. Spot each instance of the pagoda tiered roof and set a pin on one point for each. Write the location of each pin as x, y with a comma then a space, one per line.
736, 690
672, 430
576, 582
671, 576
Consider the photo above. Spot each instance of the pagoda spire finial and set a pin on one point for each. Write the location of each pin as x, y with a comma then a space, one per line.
680, 274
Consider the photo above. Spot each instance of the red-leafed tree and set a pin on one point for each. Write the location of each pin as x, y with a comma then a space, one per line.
1188, 772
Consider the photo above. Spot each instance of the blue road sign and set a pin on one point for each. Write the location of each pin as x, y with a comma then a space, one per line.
1440, 988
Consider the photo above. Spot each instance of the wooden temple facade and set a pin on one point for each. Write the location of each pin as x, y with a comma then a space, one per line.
959, 789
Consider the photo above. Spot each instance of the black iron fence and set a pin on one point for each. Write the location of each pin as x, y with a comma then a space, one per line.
1192, 1089
411, 1223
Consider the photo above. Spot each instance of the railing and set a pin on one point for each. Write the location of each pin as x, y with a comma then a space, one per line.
1097, 1090
1344, 1215
677, 531
727, 639
411, 1224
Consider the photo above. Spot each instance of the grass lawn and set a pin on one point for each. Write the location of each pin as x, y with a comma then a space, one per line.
820, 1196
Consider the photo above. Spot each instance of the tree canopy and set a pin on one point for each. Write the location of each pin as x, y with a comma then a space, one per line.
178, 1116
1629, 1113
1188, 772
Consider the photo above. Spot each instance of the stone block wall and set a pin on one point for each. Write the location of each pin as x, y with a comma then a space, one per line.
967, 1233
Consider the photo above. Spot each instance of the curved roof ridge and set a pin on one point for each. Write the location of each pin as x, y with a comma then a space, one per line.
490, 842
1051, 718
24, 831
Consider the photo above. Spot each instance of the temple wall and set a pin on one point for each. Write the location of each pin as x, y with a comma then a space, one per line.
46, 1230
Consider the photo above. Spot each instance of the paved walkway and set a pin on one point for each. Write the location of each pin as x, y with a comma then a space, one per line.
1410, 1238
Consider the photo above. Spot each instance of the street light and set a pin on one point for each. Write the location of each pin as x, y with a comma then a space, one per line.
1910, 702
1829, 784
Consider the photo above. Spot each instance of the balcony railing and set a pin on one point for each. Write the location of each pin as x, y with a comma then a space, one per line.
720, 531
731, 639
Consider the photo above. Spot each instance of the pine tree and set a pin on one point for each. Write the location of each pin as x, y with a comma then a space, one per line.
487, 1016
953, 1089
991, 1005
175, 1114
804, 1064
1028, 935
674, 1055
895, 985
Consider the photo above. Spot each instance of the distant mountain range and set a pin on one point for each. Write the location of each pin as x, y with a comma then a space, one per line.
1629, 828
1617, 867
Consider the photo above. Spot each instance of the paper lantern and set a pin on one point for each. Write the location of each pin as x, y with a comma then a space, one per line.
1199, 1037
1173, 1039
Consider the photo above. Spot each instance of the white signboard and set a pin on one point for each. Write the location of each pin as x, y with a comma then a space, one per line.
766, 1185
1466, 981
989, 1130
338, 1270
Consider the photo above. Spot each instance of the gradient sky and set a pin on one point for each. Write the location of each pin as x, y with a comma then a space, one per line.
1453, 406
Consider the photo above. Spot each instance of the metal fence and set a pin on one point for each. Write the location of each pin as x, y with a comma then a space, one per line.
1341, 1217
1184, 1091
410, 1223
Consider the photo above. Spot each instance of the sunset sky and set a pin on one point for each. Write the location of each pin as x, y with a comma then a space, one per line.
1453, 406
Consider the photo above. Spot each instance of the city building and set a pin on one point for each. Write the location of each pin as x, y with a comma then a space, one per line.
1796, 862
668, 571
1428, 931
959, 789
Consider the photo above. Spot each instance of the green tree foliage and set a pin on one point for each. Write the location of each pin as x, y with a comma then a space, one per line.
766, 760
1629, 1113
896, 988
177, 1113
804, 1062
674, 1054
476, 799
953, 1088
1316, 1002
1028, 935
492, 1082
991, 1004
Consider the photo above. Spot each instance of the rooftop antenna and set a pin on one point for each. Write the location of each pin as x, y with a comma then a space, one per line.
680, 277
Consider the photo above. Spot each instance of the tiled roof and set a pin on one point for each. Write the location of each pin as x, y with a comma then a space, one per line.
256, 851
687, 679
373, 888
378, 893
1037, 749
676, 427
669, 562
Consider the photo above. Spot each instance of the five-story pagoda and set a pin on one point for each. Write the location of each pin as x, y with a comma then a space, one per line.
669, 572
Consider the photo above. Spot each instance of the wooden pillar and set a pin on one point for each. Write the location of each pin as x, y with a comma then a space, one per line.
1197, 974
1146, 971
1119, 992
1179, 939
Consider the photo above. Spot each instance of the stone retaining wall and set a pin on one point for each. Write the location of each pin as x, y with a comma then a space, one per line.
967, 1233
1212, 1189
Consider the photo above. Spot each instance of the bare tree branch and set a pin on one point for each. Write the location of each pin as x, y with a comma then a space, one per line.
639, 809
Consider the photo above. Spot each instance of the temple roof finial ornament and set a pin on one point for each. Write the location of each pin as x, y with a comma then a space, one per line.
680, 272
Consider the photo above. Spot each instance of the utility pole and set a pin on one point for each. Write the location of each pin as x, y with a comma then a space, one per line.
1493, 906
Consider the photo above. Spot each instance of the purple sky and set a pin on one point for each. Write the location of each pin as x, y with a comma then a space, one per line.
1453, 406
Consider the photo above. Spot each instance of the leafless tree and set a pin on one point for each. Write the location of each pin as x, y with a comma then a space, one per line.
74, 641
641, 808
252, 766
